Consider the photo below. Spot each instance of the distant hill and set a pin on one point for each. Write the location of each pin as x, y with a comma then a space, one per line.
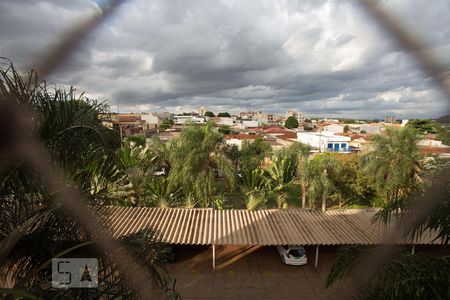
444, 119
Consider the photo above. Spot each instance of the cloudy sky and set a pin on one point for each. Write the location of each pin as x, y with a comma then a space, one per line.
326, 58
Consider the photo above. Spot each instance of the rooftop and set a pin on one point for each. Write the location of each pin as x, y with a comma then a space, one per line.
201, 226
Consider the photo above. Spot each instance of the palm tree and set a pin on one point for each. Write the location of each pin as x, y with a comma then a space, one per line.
325, 168
33, 228
406, 276
196, 157
139, 165
159, 192
280, 174
394, 164
252, 181
304, 171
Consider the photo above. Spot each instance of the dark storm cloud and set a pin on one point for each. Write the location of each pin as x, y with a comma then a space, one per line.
321, 57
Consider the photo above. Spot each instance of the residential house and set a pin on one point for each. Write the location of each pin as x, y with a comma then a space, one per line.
237, 139
247, 115
324, 141
370, 128
296, 114
181, 119
250, 124
334, 128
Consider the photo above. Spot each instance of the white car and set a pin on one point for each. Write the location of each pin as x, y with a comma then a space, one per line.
293, 255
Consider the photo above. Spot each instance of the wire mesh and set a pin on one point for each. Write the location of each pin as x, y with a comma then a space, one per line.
17, 120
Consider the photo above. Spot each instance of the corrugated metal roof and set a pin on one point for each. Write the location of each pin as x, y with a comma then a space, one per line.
174, 225
261, 227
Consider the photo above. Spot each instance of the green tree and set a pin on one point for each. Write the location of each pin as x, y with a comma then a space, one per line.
252, 181
394, 165
166, 124
406, 276
224, 129
291, 122
33, 226
209, 114
325, 169
233, 153
224, 115
195, 156
137, 140
160, 193
253, 153
346, 128
304, 171
424, 126
354, 185
280, 174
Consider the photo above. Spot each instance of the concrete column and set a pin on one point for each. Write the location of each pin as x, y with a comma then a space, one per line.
316, 263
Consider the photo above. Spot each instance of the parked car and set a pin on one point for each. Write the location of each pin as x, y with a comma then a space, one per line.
293, 255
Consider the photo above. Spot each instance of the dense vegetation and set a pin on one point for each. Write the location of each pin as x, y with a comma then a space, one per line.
403, 275
34, 227
200, 167
424, 126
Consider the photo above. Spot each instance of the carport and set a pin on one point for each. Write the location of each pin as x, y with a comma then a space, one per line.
266, 227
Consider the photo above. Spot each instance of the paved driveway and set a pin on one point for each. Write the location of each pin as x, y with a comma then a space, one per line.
249, 273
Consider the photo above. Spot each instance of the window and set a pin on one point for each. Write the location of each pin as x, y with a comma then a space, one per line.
297, 253
343, 145
330, 146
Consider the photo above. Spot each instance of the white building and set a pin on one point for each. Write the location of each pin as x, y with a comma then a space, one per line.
370, 128
325, 141
248, 124
188, 119
201, 111
430, 143
226, 121
296, 114
150, 119
236, 142
334, 128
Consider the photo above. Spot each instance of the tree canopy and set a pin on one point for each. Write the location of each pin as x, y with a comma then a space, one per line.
34, 226
224, 115
209, 114
291, 122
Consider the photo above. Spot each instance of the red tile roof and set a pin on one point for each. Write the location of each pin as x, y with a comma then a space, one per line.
241, 136
288, 135
276, 130
432, 150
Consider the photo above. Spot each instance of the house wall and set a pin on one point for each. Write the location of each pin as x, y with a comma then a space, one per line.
226, 121
324, 141
236, 142
334, 128
248, 124
150, 119
184, 119
370, 128
429, 143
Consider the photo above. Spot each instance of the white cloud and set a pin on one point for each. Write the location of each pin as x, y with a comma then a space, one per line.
324, 57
